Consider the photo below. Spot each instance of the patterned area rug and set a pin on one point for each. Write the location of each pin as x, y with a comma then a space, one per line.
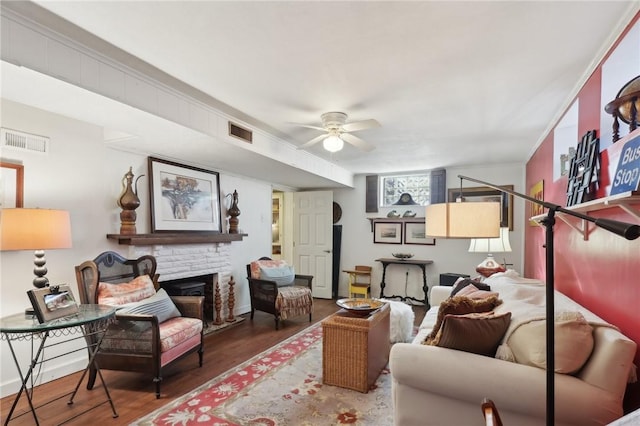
281, 386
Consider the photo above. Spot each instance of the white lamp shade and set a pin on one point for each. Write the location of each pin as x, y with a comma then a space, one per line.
491, 245
34, 229
463, 220
333, 144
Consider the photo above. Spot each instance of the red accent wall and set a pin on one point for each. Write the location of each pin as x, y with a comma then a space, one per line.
603, 273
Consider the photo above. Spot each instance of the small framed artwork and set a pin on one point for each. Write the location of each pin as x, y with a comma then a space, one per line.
387, 232
415, 233
11, 185
52, 302
183, 198
537, 192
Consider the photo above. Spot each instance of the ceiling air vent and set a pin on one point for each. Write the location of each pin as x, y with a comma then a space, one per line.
240, 132
22, 141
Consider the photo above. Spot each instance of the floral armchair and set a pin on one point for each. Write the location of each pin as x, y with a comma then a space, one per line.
151, 330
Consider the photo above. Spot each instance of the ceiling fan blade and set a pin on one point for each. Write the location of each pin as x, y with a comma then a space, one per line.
360, 125
312, 141
357, 142
308, 126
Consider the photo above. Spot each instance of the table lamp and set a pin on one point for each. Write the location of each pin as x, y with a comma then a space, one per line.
490, 266
38, 230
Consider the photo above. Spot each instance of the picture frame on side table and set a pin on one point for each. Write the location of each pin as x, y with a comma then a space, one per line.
52, 302
183, 198
387, 232
415, 233
11, 185
484, 193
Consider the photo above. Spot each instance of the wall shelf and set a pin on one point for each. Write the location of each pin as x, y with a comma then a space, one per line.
175, 238
374, 220
628, 201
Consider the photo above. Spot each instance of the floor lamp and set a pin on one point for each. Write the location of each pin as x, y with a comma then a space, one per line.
623, 229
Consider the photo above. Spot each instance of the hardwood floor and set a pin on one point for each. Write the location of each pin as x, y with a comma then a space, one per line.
133, 393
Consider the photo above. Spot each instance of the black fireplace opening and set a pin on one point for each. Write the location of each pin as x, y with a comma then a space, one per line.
201, 285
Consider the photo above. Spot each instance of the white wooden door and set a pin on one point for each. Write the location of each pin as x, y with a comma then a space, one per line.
313, 238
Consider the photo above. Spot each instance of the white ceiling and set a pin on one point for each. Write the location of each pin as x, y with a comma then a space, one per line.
451, 83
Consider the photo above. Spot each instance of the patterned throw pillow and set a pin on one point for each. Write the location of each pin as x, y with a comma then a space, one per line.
160, 305
117, 294
258, 264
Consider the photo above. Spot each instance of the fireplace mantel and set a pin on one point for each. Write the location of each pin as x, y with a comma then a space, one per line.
162, 238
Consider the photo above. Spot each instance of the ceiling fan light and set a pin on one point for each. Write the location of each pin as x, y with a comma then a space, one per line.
333, 144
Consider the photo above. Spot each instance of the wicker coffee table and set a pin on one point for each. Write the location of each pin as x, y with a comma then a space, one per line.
355, 349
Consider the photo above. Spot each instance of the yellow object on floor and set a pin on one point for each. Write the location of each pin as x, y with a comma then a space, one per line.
359, 281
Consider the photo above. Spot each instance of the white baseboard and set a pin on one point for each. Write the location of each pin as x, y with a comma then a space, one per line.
47, 374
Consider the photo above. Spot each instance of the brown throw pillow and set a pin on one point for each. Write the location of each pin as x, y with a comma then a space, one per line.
472, 292
459, 285
478, 333
460, 305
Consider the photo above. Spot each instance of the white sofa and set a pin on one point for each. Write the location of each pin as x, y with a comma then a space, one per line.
439, 386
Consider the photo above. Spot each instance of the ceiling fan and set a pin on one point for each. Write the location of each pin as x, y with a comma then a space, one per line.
337, 131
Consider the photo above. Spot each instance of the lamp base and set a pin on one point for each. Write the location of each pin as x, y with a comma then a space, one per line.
485, 272
40, 270
489, 266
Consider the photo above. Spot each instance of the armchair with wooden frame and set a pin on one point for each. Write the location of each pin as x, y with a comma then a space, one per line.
138, 342
281, 301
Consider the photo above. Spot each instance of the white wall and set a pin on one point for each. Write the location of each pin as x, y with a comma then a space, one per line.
83, 175
448, 255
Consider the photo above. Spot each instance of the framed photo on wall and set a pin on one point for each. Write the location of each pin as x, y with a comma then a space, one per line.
11, 185
183, 198
415, 233
387, 232
484, 193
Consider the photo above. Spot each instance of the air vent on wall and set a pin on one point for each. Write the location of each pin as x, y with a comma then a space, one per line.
22, 141
240, 132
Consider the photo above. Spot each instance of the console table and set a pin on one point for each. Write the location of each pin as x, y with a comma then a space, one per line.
90, 324
422, 264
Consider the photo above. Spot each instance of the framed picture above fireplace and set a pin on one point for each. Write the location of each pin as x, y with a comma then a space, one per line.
183, 198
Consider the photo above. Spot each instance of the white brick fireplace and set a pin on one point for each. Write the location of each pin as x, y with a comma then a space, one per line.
179, 261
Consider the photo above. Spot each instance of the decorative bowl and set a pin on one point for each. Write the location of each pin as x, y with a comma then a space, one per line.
360, 307
402, 256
